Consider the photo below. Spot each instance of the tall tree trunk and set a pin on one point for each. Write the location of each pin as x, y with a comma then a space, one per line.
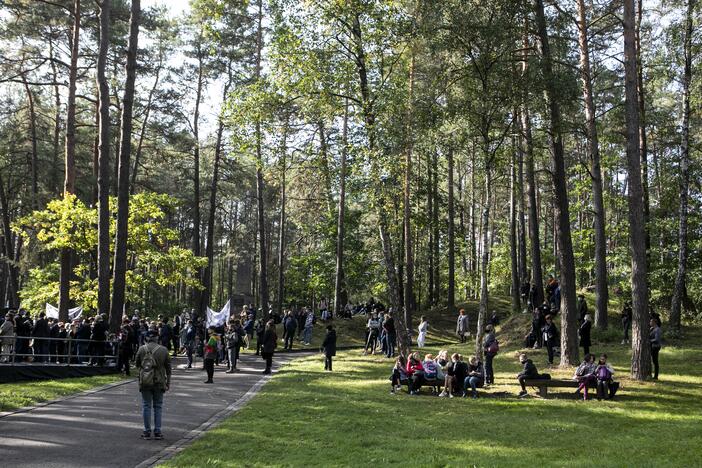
513, 236
260, 188
324, 166
484, 255
69, 185
593, 149
11, 293
196, 242
643, 139
339, 277
120, 262
569, 326
281, 233
436, 294
641, 354
523, 274
430, 246
55, 181
103, 165
537, 277
142, 132
34, 159
680, 277
369, 121
409, 299
451, 238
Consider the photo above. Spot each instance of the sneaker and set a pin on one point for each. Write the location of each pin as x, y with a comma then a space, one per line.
522, 394
158, 436
443, 394
392, 392
146, 435
208, 381
230, 371
450, 395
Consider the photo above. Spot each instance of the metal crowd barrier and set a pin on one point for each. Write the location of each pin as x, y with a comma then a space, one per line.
73, 351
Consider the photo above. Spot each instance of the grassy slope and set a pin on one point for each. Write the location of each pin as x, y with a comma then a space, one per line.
308, 417
18, 395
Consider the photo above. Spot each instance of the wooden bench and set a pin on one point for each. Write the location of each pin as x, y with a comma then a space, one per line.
435, 384
543, 384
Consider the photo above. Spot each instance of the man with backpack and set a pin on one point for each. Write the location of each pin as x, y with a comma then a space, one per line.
154, 364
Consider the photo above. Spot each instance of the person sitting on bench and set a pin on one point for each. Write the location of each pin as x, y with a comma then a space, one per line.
605, 382
530, 372
475, 378
398, 374
450, 379
585, 375
415, 374
431, 368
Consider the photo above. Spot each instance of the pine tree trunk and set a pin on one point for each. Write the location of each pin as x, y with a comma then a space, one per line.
120, 263
103, 164
451, 239
260, 187
430, 246
409, 299
643, 139
436, 294
569, 327
523, 273
34, 160
680, 277
69, 185
484, 257
55, 180
12, 290
513, 238
197, 220
281, 233
641, 353
593, 150
339, 301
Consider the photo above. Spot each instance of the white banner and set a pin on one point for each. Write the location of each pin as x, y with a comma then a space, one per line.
53, 312
216, 319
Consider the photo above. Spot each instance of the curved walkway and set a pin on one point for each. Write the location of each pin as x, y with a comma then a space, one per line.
102, 428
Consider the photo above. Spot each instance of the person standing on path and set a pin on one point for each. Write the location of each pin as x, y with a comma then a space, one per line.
235, 338
550, 337
462, 326
329, 347
309, 323
289, 328
154, 366
210, 354
270, 341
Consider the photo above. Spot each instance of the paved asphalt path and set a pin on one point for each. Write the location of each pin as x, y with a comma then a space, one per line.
102, 429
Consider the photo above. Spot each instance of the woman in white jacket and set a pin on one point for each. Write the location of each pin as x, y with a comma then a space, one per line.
423, 327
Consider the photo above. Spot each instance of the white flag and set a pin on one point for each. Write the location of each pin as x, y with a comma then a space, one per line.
216, 319
53, 312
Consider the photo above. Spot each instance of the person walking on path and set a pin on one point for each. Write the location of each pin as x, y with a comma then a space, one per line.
187, 339
154, 364
289, 329
270, 341
656, 338
211, 354
235, 338
491, 348
329, 347
584, 332
462, 326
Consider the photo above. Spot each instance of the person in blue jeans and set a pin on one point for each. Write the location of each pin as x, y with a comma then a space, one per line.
475, 377
154, 364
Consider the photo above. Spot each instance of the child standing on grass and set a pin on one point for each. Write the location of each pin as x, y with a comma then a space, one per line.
423, 327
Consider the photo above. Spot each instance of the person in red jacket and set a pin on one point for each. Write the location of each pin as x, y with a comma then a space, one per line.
415, 373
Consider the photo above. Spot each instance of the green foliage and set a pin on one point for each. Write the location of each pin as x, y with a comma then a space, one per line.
156, 261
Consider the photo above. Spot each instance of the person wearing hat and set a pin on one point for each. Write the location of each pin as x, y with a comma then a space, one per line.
211, 353
154, 364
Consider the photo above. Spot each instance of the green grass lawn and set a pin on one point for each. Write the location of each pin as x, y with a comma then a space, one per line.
306, 417
21, 394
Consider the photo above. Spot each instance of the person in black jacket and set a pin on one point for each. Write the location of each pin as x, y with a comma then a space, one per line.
549, 333
97, 340
627, 314
41, 330
235, 338
329, 347
584, 332
82, 346
270, 341
53, 344
656, 339
289, 328
582, 308
529, 372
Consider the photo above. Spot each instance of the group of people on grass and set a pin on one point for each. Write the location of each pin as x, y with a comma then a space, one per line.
456, 375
